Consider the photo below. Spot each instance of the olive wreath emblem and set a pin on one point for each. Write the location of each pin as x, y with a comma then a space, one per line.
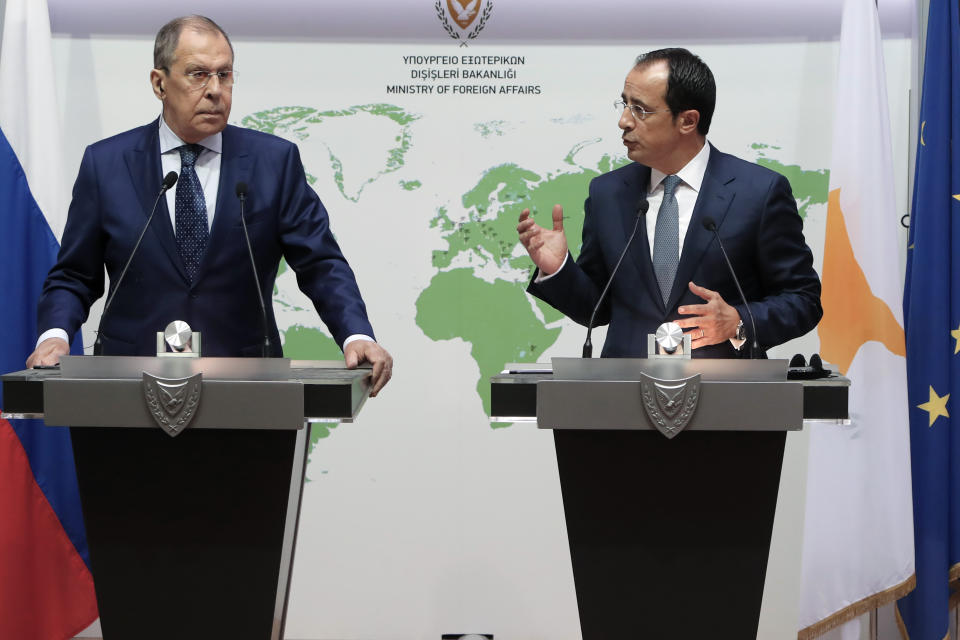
442, 16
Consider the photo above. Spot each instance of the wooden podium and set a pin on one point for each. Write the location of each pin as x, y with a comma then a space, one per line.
669, 537
191, 536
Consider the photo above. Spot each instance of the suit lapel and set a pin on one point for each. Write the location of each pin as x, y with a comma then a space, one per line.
143, 163
716, 194
636, 183
234, 168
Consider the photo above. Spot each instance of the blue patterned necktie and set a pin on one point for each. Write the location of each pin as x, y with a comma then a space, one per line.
190, 212
666, 241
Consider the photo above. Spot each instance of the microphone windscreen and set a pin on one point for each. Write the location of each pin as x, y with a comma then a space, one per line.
643, 206
709, 224
798, 361
241, 189
170, 179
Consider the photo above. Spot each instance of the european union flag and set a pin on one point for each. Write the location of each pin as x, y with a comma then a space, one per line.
931, 310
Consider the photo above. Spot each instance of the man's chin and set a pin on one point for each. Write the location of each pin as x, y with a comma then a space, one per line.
209, 126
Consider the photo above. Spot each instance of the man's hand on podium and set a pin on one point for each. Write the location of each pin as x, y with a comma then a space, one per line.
48, 353
360, 351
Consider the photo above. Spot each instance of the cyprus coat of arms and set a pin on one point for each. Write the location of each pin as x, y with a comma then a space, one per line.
670, 403
463, 13
172, 403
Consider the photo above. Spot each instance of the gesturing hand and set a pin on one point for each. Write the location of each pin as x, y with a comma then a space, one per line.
547, 248
711, 323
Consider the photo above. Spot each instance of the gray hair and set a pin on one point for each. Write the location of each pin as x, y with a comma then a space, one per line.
169, 35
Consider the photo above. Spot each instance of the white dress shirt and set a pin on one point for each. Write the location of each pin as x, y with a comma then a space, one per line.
207, 168
691, 179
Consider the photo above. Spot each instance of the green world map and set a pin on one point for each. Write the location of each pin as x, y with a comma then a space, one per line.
477, 293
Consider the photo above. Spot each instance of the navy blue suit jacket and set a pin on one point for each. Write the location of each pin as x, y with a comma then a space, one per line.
118, 182
756, 215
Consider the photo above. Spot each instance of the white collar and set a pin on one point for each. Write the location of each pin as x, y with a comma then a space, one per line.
170, 141
691, 174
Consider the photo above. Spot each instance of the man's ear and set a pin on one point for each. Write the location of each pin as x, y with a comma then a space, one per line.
157, 78
689, 120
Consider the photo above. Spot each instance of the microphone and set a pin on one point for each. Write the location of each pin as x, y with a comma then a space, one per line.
241, 191
168, 181
710, 225
642, 206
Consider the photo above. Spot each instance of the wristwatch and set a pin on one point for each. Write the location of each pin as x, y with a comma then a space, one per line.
741, 333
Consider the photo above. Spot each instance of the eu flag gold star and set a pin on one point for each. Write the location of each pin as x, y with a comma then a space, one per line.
956, 336
936, 406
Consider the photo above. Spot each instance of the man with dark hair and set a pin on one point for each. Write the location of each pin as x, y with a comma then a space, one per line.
193, 263
690, 83
674, 270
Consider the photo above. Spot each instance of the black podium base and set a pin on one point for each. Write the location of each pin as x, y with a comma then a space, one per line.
185, 533
669, 538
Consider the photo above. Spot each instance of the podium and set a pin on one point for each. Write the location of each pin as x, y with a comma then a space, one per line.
669, 537
191, 535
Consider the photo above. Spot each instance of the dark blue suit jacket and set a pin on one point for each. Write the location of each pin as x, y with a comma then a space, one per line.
117, 185
757, 219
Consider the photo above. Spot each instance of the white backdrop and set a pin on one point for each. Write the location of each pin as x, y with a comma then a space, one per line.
420, 518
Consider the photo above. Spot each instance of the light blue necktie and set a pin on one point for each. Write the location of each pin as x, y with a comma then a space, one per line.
666, 241
190, 212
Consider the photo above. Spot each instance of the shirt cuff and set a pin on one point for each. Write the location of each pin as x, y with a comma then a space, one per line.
542, 278
355, 337
53, 333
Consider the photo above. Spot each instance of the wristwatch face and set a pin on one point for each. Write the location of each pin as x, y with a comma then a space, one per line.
741, 332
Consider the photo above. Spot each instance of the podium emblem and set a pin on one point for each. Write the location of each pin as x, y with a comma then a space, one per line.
670, 403
172, 403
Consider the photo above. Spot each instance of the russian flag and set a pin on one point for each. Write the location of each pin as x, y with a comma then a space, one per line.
46, 588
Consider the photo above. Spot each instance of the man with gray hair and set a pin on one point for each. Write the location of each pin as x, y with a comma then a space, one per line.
189, 536
193, 263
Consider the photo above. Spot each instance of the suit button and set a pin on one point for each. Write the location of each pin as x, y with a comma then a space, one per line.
194, 296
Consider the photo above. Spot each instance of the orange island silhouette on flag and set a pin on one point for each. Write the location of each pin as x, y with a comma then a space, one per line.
852, 315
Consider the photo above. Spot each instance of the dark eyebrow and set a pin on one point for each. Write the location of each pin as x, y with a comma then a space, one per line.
634, 102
